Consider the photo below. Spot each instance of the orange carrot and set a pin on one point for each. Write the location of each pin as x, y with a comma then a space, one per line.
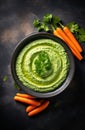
61, 32
27, 100
78, 56
37, 110
58, 35
25, 95
72, 38
69, 42
30, 107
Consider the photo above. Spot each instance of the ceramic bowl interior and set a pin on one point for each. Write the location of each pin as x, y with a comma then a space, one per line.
21, 45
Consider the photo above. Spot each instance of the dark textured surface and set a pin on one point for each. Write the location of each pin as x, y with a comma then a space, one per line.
67, 110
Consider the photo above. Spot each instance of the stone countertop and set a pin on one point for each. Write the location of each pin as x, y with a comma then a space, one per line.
67, 110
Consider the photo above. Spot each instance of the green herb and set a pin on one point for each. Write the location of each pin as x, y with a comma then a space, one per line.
51, 20
5, 78
48, 23
16, 86
47, 18
41, 26
74, 27
43, 65
81, 35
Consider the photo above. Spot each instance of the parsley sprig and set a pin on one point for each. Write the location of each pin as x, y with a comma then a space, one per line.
43, 65
49, 22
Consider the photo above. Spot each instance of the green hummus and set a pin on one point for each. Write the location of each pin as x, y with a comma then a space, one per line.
42, 65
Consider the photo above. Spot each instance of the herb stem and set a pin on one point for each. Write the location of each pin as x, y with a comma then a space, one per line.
61, 25
53, 28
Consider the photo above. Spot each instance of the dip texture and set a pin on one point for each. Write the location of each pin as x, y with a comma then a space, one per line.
42, 65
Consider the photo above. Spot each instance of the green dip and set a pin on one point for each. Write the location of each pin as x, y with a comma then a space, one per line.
42, 65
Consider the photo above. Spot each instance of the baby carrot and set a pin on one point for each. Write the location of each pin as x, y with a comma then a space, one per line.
27, 100
30, 107
72, 38
25, 95
39, 109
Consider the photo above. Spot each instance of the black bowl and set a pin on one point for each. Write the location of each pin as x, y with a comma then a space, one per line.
23, 43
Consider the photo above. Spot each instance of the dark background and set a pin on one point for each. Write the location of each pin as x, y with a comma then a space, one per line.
67, 110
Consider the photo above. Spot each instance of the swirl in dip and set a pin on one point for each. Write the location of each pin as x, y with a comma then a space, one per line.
42, 65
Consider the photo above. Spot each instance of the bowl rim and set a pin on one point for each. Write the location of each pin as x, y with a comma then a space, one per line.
32, 37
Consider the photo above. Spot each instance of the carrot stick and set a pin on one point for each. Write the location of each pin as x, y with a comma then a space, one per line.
25, 95
69, 42
72, 38
30, 107
73, 51
27, 100
37, 110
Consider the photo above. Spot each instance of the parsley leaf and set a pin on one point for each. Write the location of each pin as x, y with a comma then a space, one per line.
16, 86
74, 27
47, 18
41, 26
5, 78
43, 65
